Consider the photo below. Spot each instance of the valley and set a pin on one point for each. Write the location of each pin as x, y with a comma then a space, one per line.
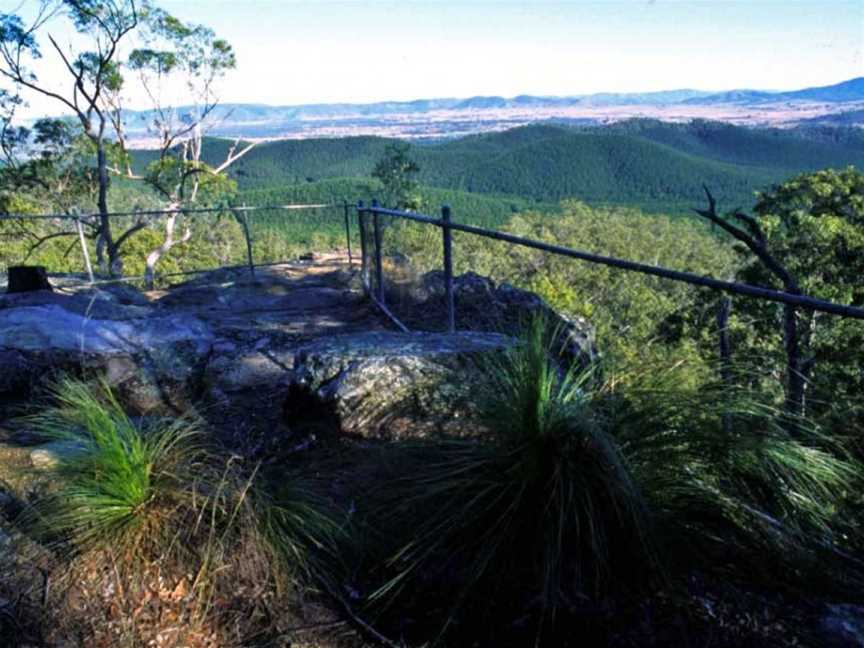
435, 119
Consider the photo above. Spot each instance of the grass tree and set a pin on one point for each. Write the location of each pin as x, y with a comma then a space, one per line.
156, 497
535, 516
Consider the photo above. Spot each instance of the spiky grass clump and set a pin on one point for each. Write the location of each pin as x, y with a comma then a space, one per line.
153, 501
305, 527
539, 516
136, 489
732, 481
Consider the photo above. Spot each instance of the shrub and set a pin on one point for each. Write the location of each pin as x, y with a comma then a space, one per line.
579, 494
730, 480
539, 516
172, 521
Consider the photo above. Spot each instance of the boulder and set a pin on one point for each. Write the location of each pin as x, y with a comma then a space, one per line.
153, 358
380, 385
393, 385
294, 348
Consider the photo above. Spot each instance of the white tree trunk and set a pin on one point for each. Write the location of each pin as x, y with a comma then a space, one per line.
169, 242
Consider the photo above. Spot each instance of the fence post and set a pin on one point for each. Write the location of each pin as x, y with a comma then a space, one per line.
244, 222
379, 269
84, 249
447, 235
348, 235
364, 253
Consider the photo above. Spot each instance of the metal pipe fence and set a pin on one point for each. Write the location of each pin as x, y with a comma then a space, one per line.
371, 252
447, 226
338, 220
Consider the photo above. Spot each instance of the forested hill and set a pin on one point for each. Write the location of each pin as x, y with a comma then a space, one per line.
655, 165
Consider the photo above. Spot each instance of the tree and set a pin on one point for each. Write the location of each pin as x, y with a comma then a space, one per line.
814, 226
396, 170
105, 24
170, 53
806, 236
193, 54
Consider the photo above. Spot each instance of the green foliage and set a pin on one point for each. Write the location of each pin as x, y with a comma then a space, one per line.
775, 148
536, 514
814, 227
576, 488
59, 177
121, 488
291, 162
629, 311
814, 224
396, 171
152, 499
173, 177
307, 531
638, 163
728, 487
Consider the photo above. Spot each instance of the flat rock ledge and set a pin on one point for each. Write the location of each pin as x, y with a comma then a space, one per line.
289, 351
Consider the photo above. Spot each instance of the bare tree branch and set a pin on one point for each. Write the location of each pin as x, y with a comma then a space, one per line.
757, 244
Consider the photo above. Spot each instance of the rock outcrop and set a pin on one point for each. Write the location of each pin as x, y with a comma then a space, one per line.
151, 356
379, 384
296, 347
483, 305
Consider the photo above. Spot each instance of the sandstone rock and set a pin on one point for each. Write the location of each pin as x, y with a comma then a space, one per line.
153, 358
376, 384
392, 385
296, 345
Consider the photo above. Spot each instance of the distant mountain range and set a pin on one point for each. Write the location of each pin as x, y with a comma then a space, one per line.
450, 117
655, 165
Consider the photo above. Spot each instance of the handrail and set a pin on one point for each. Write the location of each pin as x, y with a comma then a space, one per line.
760, 292
448, 226
162, 212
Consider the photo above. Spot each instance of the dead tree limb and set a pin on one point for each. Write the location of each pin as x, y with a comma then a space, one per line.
756, 241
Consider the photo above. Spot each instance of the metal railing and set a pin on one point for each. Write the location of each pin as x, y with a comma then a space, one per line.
152, 216
447, 226
373, 248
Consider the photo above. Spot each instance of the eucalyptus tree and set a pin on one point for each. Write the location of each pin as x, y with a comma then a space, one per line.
805, 236
123, 47
397, 171
175, 52
101, 25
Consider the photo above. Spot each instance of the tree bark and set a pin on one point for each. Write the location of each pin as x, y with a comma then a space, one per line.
162, 250
115, 265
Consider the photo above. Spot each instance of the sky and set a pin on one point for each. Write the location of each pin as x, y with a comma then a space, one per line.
294, 52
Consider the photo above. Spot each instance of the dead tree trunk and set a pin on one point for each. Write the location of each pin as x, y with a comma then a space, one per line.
753, 237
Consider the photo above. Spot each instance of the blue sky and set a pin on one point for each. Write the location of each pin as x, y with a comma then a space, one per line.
366, 50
